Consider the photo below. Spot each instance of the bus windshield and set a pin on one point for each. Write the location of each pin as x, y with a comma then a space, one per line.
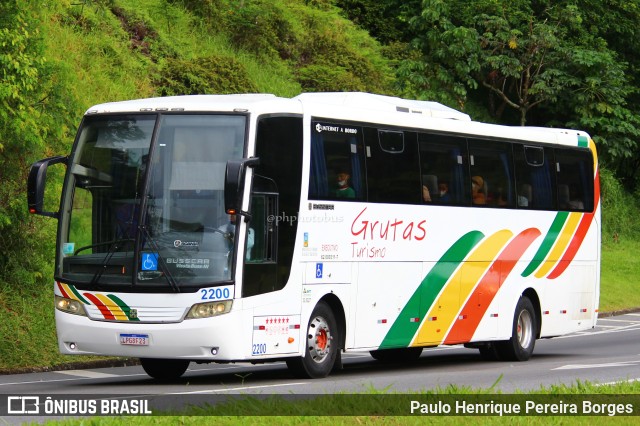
144, 201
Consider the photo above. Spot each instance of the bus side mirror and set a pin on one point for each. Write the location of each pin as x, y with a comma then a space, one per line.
36, 183
234, 184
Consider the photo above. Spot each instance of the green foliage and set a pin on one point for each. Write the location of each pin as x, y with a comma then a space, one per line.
204, 76
309, 37
385, 20
326, 78
30, 101
541, 63
620, 209
263, 27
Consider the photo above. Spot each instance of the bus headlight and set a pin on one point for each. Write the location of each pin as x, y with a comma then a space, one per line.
209, 309
70, 306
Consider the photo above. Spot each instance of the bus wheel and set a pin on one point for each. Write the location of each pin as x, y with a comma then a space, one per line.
322, 348
164, 369
398, 355
523, 335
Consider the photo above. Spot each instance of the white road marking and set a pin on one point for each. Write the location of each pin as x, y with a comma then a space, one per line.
89, 374
605, 365
243, 388
65, 380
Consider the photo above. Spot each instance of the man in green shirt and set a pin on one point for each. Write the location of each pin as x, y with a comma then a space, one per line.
344, 190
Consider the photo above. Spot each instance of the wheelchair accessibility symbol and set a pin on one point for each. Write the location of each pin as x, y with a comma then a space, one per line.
318, 270
149, 262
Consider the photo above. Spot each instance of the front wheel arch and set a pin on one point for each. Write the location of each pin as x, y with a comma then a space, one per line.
323, 343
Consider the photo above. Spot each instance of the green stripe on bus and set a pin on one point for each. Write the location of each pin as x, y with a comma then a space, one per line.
547, 243
125, 308
583, 141
403, 329
79, 296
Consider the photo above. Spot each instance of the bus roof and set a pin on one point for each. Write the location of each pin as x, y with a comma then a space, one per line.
249, 102
383, 103
358, 106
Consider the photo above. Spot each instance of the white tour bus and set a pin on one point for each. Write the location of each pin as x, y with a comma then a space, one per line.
257, 228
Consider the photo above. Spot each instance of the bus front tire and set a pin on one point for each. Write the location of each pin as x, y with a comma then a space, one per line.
164, 369
523, 334
322, 345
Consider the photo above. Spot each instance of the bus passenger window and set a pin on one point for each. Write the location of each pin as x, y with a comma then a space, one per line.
574, 171
534, 178
336, 163
492, 170
392, 166
443, 169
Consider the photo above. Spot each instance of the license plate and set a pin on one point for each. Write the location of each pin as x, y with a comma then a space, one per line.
134, 339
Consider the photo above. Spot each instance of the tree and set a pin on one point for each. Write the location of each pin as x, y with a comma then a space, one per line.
29, 98
527, 63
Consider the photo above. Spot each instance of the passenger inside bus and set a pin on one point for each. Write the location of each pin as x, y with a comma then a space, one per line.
443, 192
434, 191
478, 189
524, 195
344, 189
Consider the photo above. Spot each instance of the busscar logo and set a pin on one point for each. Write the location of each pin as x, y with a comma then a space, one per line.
23, 405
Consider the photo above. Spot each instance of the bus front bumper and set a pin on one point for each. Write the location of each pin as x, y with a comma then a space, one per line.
210, 339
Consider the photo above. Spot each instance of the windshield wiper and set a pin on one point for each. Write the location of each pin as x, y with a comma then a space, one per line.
113, 247
163, 266
109, 243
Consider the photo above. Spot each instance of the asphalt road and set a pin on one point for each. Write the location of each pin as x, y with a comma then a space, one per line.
609, 353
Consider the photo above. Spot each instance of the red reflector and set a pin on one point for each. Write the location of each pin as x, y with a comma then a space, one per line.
262, 327
297, 326
32, 211
494, 315
414, 320
546, 312
583, 310
382, 321
564, 311
461, 317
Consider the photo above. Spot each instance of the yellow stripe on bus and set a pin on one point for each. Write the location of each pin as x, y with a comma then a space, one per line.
115, 309
445, 309
560, 246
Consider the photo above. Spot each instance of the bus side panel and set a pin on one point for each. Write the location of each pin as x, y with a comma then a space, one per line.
384, 290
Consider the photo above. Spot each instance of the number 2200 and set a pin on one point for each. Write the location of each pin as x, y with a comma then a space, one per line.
215, 293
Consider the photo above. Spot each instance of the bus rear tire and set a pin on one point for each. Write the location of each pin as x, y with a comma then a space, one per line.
322, 345
164, 369
523, 334
397, 355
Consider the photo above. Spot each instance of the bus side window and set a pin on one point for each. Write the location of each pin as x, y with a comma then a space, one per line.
574, 170
337, 169
492, 170
393, 172
535, 182
443, 169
